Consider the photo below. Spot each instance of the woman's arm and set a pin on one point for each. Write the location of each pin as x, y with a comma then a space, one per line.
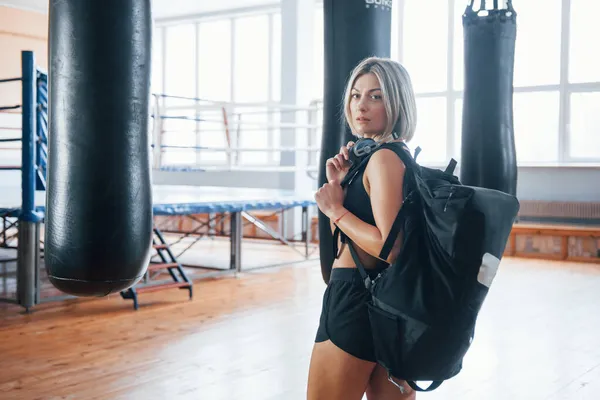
385, 175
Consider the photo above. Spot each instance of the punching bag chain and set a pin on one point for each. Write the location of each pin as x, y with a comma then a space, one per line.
482, 5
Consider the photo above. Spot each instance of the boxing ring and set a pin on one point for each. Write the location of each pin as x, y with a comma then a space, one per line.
22, 209
194, 134
168, 200
236, 204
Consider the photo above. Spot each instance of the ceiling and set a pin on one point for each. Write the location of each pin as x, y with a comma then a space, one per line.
161, 8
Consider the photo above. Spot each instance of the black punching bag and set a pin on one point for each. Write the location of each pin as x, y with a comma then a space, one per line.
488, 156
354, 30
99, 196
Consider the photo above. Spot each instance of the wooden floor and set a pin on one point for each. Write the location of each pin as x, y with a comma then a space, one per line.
249, 337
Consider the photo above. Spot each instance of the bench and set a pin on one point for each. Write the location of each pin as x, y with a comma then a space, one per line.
555, 242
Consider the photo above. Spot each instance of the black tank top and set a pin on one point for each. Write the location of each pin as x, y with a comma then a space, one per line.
357, 200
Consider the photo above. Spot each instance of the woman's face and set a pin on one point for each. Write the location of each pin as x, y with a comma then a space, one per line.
367, 109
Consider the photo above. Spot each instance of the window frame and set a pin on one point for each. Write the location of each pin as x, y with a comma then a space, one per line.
564, 87
161, 26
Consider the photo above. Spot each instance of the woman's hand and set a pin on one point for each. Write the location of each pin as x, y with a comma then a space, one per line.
330, 199
337, 167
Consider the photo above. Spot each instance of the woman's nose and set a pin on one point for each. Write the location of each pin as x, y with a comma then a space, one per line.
362, 104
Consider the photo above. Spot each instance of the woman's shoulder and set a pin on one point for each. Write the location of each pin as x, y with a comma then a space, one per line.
387, 157
390, 150
395, 145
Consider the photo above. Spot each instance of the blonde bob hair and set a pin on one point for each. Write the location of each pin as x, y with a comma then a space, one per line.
398, 97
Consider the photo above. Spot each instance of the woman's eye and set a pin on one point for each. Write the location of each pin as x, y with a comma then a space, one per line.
376, 97
355, 96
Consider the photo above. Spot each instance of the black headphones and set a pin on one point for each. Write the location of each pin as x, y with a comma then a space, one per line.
362, 148
359, 152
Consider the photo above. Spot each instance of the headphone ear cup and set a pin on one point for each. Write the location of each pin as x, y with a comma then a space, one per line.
352, 157
361, 149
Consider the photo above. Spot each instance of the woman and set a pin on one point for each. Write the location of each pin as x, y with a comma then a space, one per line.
379, 104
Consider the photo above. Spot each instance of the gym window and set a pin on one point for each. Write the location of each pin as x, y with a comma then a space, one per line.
556, 78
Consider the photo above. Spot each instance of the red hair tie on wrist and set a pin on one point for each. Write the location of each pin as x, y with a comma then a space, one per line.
340, 217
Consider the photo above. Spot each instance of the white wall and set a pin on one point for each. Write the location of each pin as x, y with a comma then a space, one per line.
559, 183
534, 183
251, 179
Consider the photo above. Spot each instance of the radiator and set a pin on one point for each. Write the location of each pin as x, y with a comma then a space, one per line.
560, 210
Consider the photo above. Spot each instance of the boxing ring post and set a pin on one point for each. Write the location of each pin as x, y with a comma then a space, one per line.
235, 261
306, 230
157, 129
29, 223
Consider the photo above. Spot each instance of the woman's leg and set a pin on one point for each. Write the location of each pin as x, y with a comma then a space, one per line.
337, 375
380, 388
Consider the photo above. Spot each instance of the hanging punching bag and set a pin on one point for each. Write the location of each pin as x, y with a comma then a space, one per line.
488, 155
354, 30
99, 200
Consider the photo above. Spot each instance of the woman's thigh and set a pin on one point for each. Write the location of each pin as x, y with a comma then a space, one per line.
380, 388
337, 375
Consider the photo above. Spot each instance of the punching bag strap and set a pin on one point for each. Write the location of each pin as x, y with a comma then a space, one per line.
469, 11
482, 4
509, 6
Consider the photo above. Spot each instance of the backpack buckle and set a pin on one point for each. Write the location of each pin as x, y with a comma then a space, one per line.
370, 283
391, 379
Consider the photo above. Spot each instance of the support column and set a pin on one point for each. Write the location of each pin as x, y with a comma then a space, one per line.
26, 262
297, 34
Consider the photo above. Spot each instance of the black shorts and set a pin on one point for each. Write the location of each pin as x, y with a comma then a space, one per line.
344, 316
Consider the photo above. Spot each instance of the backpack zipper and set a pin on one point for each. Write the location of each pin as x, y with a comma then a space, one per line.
449, 197
408, 197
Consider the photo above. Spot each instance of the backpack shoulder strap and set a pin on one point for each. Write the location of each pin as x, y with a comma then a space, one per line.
394, 231
417, 152
403, 153
385, 250
451, 166
354, 171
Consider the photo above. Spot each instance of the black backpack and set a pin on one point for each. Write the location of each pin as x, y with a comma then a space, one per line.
424, 306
